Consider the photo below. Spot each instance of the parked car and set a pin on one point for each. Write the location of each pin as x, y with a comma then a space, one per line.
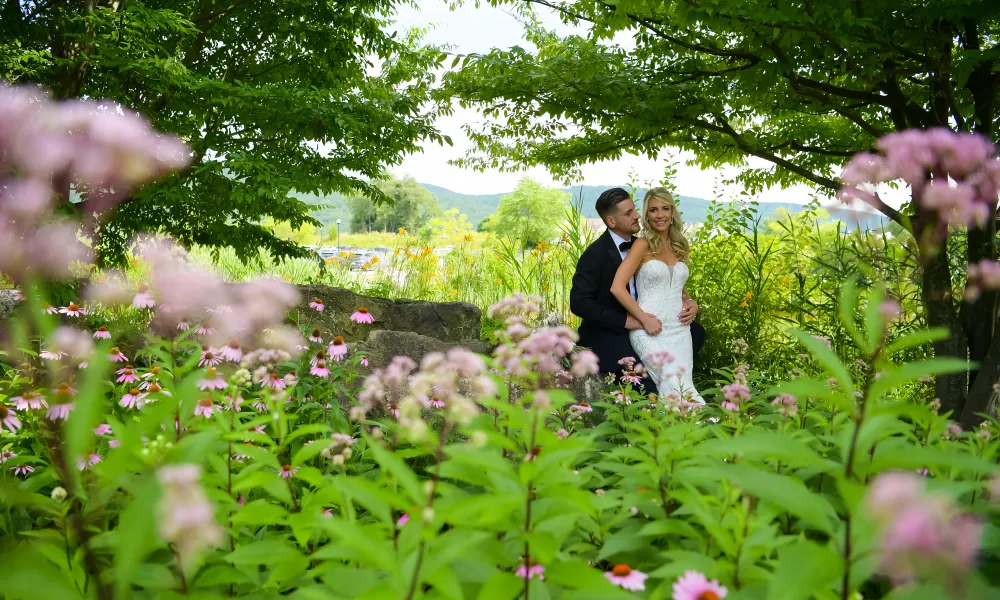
328, 252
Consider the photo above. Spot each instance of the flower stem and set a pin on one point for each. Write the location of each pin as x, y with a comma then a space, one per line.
438, 457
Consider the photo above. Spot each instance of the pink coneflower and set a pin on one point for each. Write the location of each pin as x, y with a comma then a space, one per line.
436, 402
154, 388
403, 520
126, 375
320, 355
692, 585
102, 429
320, 369
317, 305
363, 316
51, 355
232, 351
364, 361
114, 443
394, 409
183, 325
274, 381
209, 357
143, 299
316, 337
204, 330
240, 455
337, 349
628, 578
291, 378
9, 418
22, 469
32, 400
152, 373
631, 378
205, 407
327, 513
49, 309
260, 428
212, 381
87, 460
115, 355
73, 310
102, 333
6, 455
583, 407
62, 403
259, 406
530, 569
287, 471
133, 399
234, 404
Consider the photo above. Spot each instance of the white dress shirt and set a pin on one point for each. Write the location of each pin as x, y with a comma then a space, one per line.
618, 240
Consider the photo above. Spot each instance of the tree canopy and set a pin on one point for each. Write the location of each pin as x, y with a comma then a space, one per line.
410, 207
316, 97
801, 84
531, 213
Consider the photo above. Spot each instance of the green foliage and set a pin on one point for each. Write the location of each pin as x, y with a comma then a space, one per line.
529, 215
272, 98
408, 205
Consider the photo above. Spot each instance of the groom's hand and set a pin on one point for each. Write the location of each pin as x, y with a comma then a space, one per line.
689, 312
632, 324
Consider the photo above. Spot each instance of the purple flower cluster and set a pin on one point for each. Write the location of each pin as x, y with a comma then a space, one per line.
922, 533
955, 175
100, 149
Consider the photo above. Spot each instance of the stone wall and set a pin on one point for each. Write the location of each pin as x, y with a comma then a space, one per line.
409, 327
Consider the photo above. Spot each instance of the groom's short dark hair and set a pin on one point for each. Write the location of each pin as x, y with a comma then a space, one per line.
607, 202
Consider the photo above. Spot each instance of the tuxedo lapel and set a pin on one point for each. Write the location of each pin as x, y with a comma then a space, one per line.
612, 249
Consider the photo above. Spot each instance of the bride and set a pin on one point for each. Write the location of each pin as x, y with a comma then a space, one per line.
660, 257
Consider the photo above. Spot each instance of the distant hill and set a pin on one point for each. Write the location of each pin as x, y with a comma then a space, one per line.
479, 206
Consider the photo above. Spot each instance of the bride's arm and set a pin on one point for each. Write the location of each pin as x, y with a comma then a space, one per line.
619, 288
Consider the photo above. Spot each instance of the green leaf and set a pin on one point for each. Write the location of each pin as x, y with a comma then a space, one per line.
760, 445
394, 465
260, 512
263, 552
311, 428
29, 576
918, 338
577, 575
136, 533
804, 569
893, 376
89, 405
847, 303
501, 586
781, 490
305, 453
827, 359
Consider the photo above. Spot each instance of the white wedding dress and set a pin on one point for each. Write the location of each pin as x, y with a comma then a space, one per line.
660, 288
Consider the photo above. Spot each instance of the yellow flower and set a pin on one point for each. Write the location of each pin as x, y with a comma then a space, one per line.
565, 238
374, 260
428, 250
398, 251
542, 246
469, 238
367, 265
402, 231
545, 287
454, 293
470, 260
499, 281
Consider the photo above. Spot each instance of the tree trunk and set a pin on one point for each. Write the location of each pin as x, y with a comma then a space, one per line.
980, 317
982, 389
950, 389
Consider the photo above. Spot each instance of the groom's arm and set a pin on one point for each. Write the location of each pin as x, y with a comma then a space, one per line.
583, 296
689, 310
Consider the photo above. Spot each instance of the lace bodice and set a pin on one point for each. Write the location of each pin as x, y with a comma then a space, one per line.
661, 287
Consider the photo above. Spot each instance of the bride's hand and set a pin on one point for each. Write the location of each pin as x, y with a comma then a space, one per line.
651, 324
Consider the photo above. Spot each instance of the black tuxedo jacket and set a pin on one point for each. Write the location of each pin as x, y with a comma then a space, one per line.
603, 318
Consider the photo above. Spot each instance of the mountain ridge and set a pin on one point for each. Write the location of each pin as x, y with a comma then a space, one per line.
479, 206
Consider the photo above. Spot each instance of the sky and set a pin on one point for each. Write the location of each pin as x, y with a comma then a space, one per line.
472, 29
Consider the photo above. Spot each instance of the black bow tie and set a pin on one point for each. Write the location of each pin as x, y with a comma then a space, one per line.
622, 247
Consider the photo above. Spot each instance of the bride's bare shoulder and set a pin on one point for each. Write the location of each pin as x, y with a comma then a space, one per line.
640, 243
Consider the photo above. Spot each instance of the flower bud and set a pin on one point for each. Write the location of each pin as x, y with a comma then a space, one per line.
58, 494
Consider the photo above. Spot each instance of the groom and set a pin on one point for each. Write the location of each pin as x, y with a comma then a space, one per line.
606, 323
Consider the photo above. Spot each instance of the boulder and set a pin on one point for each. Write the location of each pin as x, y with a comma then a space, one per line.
8, 300
382, 345
453, 322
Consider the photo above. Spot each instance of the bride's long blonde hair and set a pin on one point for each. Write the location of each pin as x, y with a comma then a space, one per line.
675, 232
